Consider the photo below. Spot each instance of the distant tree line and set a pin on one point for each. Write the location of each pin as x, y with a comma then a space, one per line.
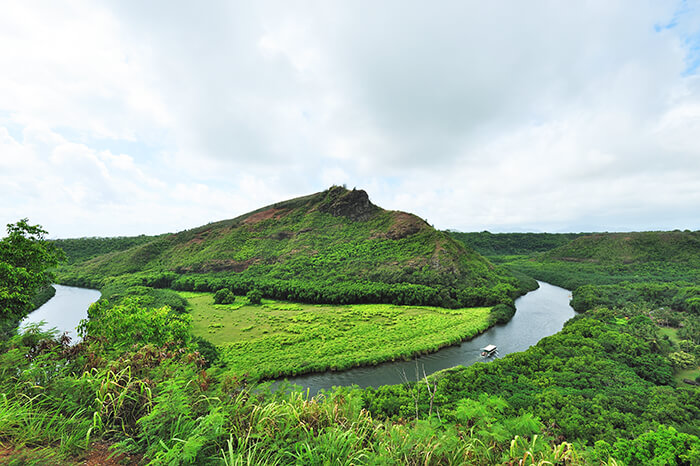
307, 291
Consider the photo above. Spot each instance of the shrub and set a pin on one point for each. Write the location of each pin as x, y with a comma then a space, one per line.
254, 296
502, 313
127, 323
207, 350
681, 360
224, 296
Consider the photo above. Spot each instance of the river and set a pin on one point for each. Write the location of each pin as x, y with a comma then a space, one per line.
540, 313
65, 310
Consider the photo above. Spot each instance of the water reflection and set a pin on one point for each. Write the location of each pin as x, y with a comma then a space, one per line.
64, 311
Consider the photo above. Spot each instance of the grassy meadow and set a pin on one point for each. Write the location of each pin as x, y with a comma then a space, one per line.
279, 338
680, 375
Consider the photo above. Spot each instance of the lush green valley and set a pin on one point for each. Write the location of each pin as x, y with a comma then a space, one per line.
167, 376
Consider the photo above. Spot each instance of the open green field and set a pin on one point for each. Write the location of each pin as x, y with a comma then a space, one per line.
691, 373
280, 338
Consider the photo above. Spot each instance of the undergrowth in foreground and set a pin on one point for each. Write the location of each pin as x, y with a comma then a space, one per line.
137, 383
282, 338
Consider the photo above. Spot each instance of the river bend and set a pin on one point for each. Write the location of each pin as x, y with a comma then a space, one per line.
540, 313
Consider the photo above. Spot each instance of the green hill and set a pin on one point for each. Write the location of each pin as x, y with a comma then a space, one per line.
506, 244
632, 248
332, 246
611, 258
81, 249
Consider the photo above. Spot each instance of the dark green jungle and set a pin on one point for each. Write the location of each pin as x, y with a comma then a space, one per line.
160, 377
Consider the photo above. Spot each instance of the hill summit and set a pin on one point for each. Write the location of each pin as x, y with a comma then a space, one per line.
334, 246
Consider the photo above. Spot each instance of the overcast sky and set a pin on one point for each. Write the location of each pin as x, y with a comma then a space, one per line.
122, 118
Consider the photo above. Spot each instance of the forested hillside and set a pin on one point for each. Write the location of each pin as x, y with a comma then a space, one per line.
80, 249
334, 246
610, 258
508, 244
629, 362
682, 247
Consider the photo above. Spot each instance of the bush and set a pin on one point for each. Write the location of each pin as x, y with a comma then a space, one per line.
122, 288
254, 296
129, 323
664, 446
502, 313
208, 351
224, 296
681, 360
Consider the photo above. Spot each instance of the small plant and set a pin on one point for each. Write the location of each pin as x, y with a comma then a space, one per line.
224, 296
254, 296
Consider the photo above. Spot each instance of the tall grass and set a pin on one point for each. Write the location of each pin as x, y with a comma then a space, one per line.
40, 421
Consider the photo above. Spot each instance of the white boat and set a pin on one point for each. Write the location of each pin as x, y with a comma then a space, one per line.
489, 350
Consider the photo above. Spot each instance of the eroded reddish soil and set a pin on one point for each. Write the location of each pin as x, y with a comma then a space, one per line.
264, 215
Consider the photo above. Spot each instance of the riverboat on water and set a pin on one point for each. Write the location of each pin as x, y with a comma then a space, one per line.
489, 350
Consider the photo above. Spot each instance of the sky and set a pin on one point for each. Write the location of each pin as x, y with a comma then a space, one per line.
128, 117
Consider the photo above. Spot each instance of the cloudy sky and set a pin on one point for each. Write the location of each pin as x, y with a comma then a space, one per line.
121, 118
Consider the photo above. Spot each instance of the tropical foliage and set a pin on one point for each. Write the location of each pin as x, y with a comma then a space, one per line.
511, 244
24, 262
146, 380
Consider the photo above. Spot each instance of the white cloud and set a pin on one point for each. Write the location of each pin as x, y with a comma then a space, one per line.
474, 115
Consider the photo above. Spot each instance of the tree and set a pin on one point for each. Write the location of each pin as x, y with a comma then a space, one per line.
224, 296
254, 296
660, 447
681, 360
130, 322
25, 260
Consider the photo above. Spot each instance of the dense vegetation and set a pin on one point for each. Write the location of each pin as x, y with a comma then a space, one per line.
605, 390
330, 247
601, 378
509, 244
42, 296
642, 291
609, 258
137, 381
80, 249
657, 272
25, 259
680, 247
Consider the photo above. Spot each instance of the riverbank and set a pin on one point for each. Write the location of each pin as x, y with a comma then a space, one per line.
42, 296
